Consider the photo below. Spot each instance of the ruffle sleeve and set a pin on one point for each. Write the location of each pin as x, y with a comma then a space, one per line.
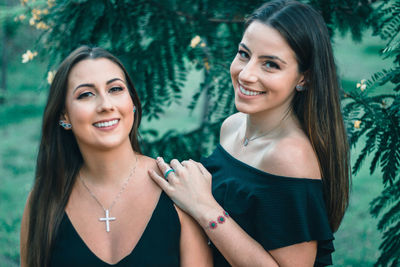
276, 211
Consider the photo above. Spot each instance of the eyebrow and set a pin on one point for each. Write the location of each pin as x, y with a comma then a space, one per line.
92, 85
264, 56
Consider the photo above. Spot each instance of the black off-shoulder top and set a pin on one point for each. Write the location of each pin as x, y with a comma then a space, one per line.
274, 210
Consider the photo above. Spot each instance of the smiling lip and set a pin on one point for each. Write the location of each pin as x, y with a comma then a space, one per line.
246, 93
106, 124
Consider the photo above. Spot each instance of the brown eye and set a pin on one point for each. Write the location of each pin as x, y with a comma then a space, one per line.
243, 54
271, 65
116, 89
85, 95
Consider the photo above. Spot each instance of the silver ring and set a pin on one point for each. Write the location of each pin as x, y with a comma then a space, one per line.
168, 172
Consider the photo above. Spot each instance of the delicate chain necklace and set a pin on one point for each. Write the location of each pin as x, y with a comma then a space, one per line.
107, 218
247, 140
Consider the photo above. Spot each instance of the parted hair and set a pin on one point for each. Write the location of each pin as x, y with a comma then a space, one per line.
318, 107
59, 159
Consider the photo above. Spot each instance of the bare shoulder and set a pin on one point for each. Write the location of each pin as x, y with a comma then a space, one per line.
231, 124
146, 164
293, 156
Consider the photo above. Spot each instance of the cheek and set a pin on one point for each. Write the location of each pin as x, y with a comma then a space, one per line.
76, 112
79, 114
127, 106
235, 67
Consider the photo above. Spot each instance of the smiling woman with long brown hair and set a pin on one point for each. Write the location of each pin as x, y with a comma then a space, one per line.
277, 185
93, 203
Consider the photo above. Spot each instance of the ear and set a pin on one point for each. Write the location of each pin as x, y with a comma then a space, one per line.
65, 122
64, 117
302, 83
302, 79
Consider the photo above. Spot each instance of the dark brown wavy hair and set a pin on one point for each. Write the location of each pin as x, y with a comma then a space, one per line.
59, 159
318, 107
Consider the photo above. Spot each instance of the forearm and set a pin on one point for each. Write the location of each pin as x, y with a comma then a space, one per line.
238, 248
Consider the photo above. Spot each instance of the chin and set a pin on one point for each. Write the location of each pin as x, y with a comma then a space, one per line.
245, 107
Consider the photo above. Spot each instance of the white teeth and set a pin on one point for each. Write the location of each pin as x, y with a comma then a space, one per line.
247, 92
106, 124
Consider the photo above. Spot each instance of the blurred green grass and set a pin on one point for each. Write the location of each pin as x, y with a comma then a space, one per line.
357, 240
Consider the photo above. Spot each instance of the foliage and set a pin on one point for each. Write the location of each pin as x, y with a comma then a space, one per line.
160, 40
157, 42
377, 119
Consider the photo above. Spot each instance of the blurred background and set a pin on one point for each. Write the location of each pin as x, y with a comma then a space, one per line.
178, 53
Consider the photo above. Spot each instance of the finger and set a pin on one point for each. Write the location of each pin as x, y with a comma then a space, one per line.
185, 163
162, 183
164, 167
201, 168
176, 165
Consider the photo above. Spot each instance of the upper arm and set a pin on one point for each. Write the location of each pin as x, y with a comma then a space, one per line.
24, 234
298, 255
194, 249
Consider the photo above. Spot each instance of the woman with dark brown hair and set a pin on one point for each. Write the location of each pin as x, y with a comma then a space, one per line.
93, 203
277, 185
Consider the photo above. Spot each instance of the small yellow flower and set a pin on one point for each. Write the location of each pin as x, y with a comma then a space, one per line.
22, 17
203, 44
28, 56
207, 65
42, 26
195, 41
31, 21
45, 11
50, 3
362, 85
35, 16
357, 124
50, 76
36, 11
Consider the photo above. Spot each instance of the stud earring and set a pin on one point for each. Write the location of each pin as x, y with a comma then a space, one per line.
134, 109
65, 125
300, 88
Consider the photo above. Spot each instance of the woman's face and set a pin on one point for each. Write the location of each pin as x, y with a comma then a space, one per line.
98, 104
264, 72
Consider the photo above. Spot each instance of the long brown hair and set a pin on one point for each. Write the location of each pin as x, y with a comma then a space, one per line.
318, 107
59, 159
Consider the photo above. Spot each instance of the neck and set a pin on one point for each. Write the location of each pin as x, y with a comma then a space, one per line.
267, 124
108, 167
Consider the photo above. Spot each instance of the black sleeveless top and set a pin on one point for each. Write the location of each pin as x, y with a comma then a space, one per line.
158, 245
274, 210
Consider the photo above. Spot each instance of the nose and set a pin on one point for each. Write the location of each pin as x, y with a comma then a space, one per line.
248, 74
105, 103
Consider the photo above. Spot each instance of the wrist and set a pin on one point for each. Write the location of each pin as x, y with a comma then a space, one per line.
209, 214
213, 224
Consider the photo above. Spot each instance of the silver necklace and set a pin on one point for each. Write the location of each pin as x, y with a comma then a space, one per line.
247, 140
107, 217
